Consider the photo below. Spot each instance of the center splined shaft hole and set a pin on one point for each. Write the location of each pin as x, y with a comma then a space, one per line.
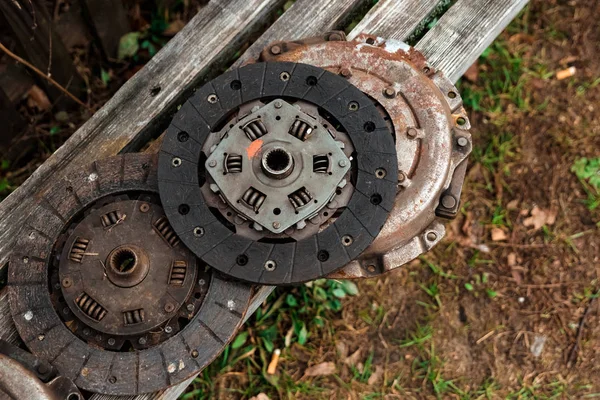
278, 160
123, 261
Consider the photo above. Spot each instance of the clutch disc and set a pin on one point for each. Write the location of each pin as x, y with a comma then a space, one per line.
102, 288
278, 172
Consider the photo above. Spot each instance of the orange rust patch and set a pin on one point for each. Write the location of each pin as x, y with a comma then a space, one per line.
254, 148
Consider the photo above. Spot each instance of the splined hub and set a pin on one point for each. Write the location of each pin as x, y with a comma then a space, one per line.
123, 272
277, 166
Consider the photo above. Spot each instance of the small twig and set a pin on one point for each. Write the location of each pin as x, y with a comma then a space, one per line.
120, 220
573, 354
40, 73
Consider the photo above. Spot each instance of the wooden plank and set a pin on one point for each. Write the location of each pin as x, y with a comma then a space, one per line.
38, 42
465, 31
109, 22
305, 18
130, 117
392, 19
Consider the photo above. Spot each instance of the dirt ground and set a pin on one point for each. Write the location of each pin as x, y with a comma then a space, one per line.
506, 306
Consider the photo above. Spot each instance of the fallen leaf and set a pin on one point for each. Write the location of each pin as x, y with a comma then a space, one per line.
174, 27
472, 73
512, 259
375, 376
512, 205
540, 218
353, 359
326, 368
498, 235
37, 98
260, 396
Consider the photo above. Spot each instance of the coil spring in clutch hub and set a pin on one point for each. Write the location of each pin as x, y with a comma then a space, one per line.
253, 198
78, 250
178, 271
300, 198
301, 129
164, 229
255, 129
90, 307
111, 218
321, 164
233, 163
133, 317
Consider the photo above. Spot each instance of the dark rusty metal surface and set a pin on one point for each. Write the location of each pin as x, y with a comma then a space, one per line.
186, 342
25, 377
431, 138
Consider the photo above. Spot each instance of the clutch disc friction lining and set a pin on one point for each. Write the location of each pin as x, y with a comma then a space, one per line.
280, 260
102, 289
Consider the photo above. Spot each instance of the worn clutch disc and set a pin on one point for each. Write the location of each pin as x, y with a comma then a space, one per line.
329, 157
278, 172
102, 288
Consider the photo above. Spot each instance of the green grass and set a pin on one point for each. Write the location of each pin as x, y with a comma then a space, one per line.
588, 172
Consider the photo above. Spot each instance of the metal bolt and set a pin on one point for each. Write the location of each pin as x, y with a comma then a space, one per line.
168, 329
342, 163
144, 207
111, 341
448, 201
335, 37
380, 173
212, 163
201, 282
431, 236
190, 307
462, 141
347, 240
176, 162
142, 340
353, 106
195, 353
43, 369
112, 379
28, 316
401, 176
67, 282
345, 72
169, 307
412, 133
275, 50
25, 259
284, 76
276, 225
198, 231
278, 104
212, 98
66, 310
389, 92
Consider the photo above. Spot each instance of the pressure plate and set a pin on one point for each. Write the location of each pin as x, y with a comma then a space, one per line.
102, 288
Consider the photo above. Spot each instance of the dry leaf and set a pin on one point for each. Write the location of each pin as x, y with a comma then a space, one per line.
375, 376
512, 205
174, 27
38, 99
326, 368
353, 359
472, 73
512, 259
498, 235
260, 396
540, 218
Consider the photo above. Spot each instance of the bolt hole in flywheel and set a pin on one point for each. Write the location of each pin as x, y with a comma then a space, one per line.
103, 289
330, 157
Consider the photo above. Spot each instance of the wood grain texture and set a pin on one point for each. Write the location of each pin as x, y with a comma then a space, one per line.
130, 117
465, 31
305, 18
393, 19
